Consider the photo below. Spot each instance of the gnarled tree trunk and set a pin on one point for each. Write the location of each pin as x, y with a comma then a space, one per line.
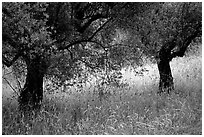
32, 94
166, 83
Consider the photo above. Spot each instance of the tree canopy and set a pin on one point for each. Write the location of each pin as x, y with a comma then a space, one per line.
61, 41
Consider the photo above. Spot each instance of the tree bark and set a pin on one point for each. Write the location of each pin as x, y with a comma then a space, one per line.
166, 83
32, 94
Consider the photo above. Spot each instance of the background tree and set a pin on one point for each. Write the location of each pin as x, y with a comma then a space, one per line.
186, 25
165, 31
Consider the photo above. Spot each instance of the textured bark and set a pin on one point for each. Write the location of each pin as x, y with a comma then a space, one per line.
32, 94
166, 83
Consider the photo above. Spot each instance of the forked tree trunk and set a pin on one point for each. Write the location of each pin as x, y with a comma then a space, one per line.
32, 94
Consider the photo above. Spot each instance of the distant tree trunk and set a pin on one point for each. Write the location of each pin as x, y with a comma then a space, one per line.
32, 94
166, 83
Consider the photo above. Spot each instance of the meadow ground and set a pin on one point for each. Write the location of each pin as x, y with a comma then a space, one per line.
133, 109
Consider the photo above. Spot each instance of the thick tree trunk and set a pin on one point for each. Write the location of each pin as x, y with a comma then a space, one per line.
166, 83
32, 94
166, 79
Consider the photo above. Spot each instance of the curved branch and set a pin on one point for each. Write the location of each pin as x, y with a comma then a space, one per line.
89, 39
87, 24
100, 28
78, 42
186, 43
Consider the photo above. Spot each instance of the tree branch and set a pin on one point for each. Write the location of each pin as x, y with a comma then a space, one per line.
78, 42
9, 63
100, 28
87, 24
87, 40
187, 41
16, 46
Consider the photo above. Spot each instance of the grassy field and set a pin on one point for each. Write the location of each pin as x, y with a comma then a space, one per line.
132, 110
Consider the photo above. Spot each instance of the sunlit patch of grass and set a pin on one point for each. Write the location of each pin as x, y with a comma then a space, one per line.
133, 110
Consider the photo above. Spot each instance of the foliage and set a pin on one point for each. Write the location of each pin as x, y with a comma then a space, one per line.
130, 111
166, 22
89, 28
26, 27
39, 30
81, 30
24, 34
92, 42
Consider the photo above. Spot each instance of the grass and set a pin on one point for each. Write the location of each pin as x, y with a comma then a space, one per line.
132, 110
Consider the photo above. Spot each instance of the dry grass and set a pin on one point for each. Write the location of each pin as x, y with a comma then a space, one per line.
131, 110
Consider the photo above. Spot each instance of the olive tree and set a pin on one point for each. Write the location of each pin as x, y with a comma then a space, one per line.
164, 32
51, 40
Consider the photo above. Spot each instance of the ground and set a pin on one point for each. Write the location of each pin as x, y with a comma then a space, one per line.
132, 109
